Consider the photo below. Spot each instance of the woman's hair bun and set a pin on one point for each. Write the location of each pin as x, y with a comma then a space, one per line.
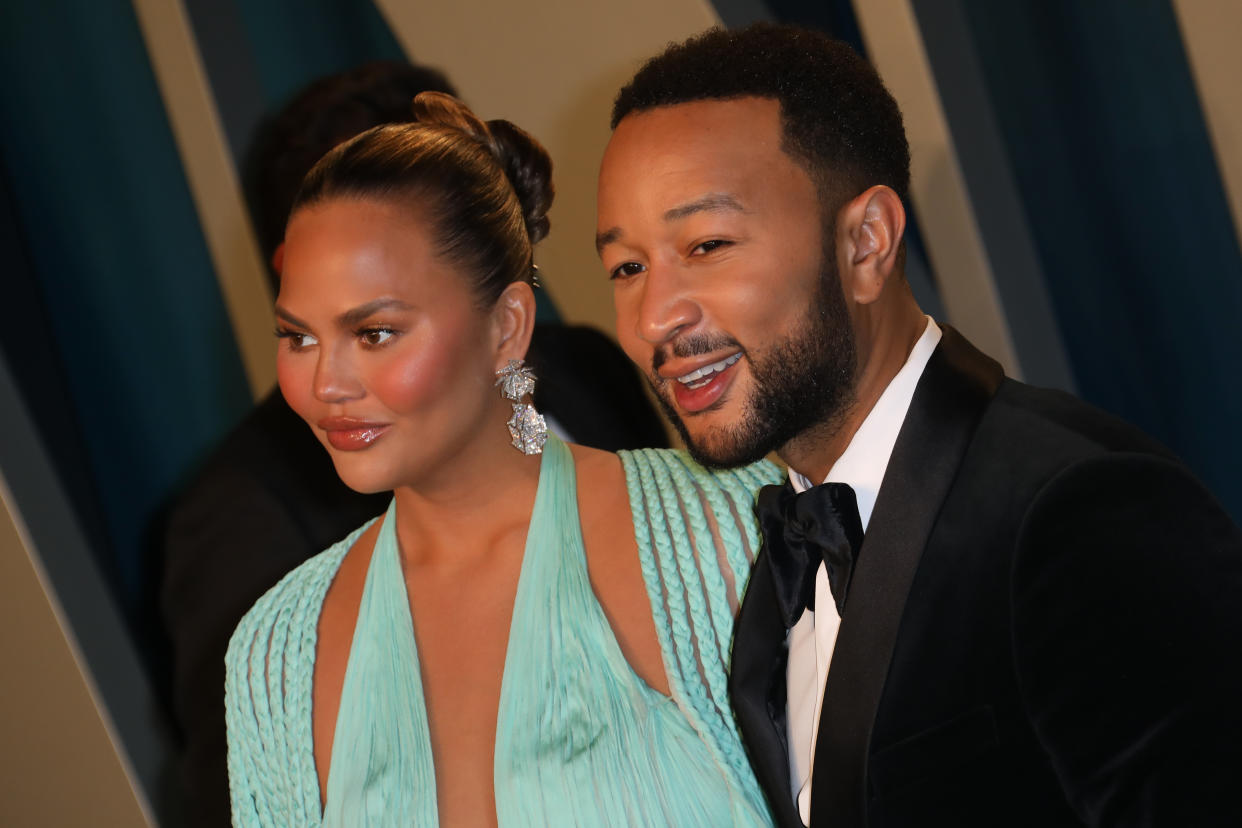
529, 169
437, 108
525, 162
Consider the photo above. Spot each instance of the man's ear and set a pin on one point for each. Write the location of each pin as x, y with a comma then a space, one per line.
873, 224
513, 318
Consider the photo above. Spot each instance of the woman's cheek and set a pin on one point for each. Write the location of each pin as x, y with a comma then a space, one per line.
414, 381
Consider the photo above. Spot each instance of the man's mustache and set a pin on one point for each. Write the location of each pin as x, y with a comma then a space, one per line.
692, 345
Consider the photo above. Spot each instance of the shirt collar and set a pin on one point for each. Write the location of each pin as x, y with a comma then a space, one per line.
865, 459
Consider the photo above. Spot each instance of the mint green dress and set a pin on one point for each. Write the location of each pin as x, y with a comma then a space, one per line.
580, 738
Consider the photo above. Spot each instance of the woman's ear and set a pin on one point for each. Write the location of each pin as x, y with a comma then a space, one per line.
514, 319
874, 224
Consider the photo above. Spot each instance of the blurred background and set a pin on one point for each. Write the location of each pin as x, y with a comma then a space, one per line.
1077, 200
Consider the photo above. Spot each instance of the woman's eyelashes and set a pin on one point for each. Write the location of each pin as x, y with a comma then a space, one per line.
369, 337
297, 340
375, 336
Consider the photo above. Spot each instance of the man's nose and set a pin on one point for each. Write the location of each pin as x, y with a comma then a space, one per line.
667, 306
335, 378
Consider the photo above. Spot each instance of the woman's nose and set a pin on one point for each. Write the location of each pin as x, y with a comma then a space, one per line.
335, 379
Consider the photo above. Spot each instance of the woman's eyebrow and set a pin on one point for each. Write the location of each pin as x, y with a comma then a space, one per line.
352, 317
290, 318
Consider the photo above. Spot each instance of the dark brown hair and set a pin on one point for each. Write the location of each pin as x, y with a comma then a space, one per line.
485, 187
329, 111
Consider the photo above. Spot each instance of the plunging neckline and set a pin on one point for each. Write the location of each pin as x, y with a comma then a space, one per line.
385, 623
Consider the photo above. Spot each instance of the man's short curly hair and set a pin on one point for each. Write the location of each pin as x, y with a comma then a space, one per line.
837, 118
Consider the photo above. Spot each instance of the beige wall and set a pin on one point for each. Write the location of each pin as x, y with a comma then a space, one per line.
1210, 33
58, 763
552, 67
938, 189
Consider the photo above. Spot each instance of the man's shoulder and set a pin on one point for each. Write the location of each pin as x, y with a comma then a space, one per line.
1024, 421
1032, 445
1029, 421
272, 476
268, 445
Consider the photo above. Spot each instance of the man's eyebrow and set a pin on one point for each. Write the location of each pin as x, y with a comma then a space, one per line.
711, 203
606, 238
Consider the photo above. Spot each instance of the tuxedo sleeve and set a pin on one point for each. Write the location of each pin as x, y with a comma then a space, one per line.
1127, 626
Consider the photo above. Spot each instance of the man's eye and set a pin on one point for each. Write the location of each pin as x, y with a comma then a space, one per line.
710, 245
297, 341
374, 337
626, 270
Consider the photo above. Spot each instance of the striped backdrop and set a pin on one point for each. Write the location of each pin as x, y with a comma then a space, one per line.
1077, 197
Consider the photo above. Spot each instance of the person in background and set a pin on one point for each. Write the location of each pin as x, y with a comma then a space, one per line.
979, 603
268, 498
534, 633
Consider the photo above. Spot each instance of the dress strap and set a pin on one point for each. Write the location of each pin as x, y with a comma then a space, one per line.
382, 771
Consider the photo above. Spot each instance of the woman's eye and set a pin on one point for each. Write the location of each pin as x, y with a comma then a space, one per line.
374, 337
626, 270
297, 341
710, 245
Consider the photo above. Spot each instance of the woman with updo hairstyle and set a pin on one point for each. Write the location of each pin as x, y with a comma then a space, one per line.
534, 633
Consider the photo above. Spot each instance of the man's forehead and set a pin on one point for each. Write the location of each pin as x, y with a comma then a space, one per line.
749, 121
684, 152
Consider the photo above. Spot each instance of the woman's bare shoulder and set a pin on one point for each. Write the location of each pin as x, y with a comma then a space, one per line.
613, 562
603, 501
591, 462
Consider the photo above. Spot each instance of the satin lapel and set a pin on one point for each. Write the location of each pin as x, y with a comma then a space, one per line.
757, 688
951, 396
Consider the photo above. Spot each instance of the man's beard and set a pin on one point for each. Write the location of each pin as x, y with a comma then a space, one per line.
803, 382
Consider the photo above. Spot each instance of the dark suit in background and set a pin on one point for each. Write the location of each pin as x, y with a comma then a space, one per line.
1044, 628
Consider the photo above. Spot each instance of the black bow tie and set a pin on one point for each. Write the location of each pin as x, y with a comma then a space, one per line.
802, 529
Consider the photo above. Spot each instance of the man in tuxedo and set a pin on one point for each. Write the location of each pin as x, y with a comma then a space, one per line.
978, 603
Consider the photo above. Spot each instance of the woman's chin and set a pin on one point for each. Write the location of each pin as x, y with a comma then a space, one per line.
361, 481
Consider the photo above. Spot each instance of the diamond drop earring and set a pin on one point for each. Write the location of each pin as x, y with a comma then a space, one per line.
527, 426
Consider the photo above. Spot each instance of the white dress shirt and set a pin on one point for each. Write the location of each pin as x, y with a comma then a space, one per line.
813, 637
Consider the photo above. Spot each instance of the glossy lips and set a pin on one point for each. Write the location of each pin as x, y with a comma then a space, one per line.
349, 434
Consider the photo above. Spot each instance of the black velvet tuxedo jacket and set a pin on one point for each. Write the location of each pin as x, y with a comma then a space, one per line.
1044, 628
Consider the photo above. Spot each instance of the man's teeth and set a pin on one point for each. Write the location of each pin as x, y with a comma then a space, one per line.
702, 376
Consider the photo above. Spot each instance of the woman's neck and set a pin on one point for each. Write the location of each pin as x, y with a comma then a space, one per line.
459, 512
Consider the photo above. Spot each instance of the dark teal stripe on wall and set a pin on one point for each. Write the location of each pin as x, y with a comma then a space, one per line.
259, 53
40, 374
998, 209
296, 41
1115, 167
135, 316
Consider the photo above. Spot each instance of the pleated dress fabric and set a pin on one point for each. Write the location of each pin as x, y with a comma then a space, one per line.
581, 739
